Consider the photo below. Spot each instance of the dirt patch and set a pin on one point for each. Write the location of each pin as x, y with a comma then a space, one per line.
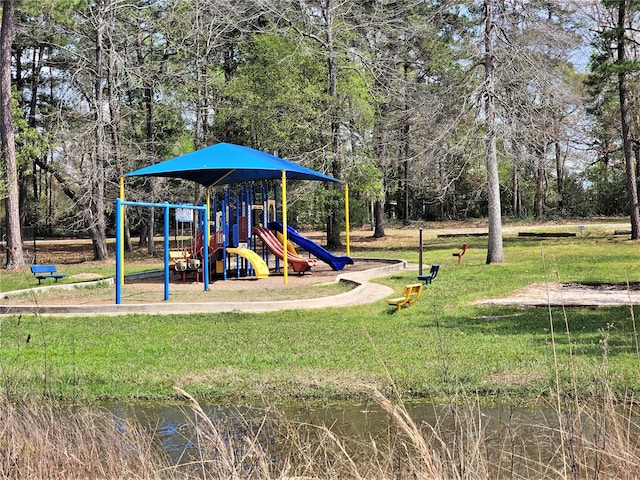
569, 295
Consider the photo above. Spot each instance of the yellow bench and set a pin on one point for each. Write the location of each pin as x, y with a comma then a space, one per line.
411, 294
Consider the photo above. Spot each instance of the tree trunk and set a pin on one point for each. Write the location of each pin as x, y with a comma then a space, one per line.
540, 174
380, 201
560, 175
516, 202
98, 224
405, 148
632, 186
378, 216
334, 220
494, 247
149, 184
150, 220
147, 229
115, 123
15, 256
24, 176
28, 174
380, 149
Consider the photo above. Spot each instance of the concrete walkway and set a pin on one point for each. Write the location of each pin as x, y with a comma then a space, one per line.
364, 293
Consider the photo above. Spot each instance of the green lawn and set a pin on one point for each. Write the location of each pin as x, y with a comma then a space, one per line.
439, 346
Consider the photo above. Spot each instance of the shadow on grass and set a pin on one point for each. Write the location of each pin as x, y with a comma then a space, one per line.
591, 329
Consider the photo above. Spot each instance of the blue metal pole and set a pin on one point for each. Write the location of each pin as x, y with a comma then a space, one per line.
246, 211
236, 234
265, 202
250, 200
225, 239
166, 252
265, 208
275, 219
118, 243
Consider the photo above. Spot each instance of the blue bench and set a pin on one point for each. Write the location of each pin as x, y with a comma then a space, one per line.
433, 273
42, 272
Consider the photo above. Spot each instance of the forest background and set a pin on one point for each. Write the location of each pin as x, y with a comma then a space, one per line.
430, 110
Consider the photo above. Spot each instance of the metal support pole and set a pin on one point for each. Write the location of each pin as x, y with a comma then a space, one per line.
205, 258
284, 227
121, 224
346, 217
420, 256
119, 259
166, 253
225, 237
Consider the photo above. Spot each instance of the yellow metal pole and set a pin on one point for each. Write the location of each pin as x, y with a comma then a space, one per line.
284, 226
121, 230
346, 216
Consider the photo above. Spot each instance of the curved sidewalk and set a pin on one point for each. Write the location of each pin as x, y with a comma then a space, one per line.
364, 293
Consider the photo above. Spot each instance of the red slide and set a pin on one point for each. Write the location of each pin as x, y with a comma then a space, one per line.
299, 264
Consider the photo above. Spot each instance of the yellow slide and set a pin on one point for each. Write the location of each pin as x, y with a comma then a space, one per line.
261, 269
291, 249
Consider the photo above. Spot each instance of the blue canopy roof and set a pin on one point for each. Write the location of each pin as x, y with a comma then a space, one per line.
228, 163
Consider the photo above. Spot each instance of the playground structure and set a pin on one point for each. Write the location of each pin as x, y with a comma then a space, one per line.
337, 262
248, 211
237, 230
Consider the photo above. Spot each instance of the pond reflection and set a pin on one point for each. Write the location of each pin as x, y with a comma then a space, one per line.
502, 429
381, 439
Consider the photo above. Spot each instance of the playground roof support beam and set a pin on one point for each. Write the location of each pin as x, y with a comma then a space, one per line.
284, 222
346, 218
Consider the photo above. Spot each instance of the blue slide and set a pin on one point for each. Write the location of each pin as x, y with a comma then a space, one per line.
337, 262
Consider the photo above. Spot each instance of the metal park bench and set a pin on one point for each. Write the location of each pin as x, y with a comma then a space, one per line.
410, 295
42, 272
460, 254
433, 273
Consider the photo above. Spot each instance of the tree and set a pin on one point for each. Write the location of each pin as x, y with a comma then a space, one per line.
79, 161
324, 24
612, 82
414, 51
541, 93
494, 247
15, 256
623, 66
98, 227
384, 95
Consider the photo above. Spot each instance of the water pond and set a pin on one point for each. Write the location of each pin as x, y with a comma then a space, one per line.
525, 438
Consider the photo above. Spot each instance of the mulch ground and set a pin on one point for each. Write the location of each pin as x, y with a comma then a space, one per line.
319, 282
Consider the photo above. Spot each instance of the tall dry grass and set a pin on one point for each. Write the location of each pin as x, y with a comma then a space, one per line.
39, 439
587, 439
